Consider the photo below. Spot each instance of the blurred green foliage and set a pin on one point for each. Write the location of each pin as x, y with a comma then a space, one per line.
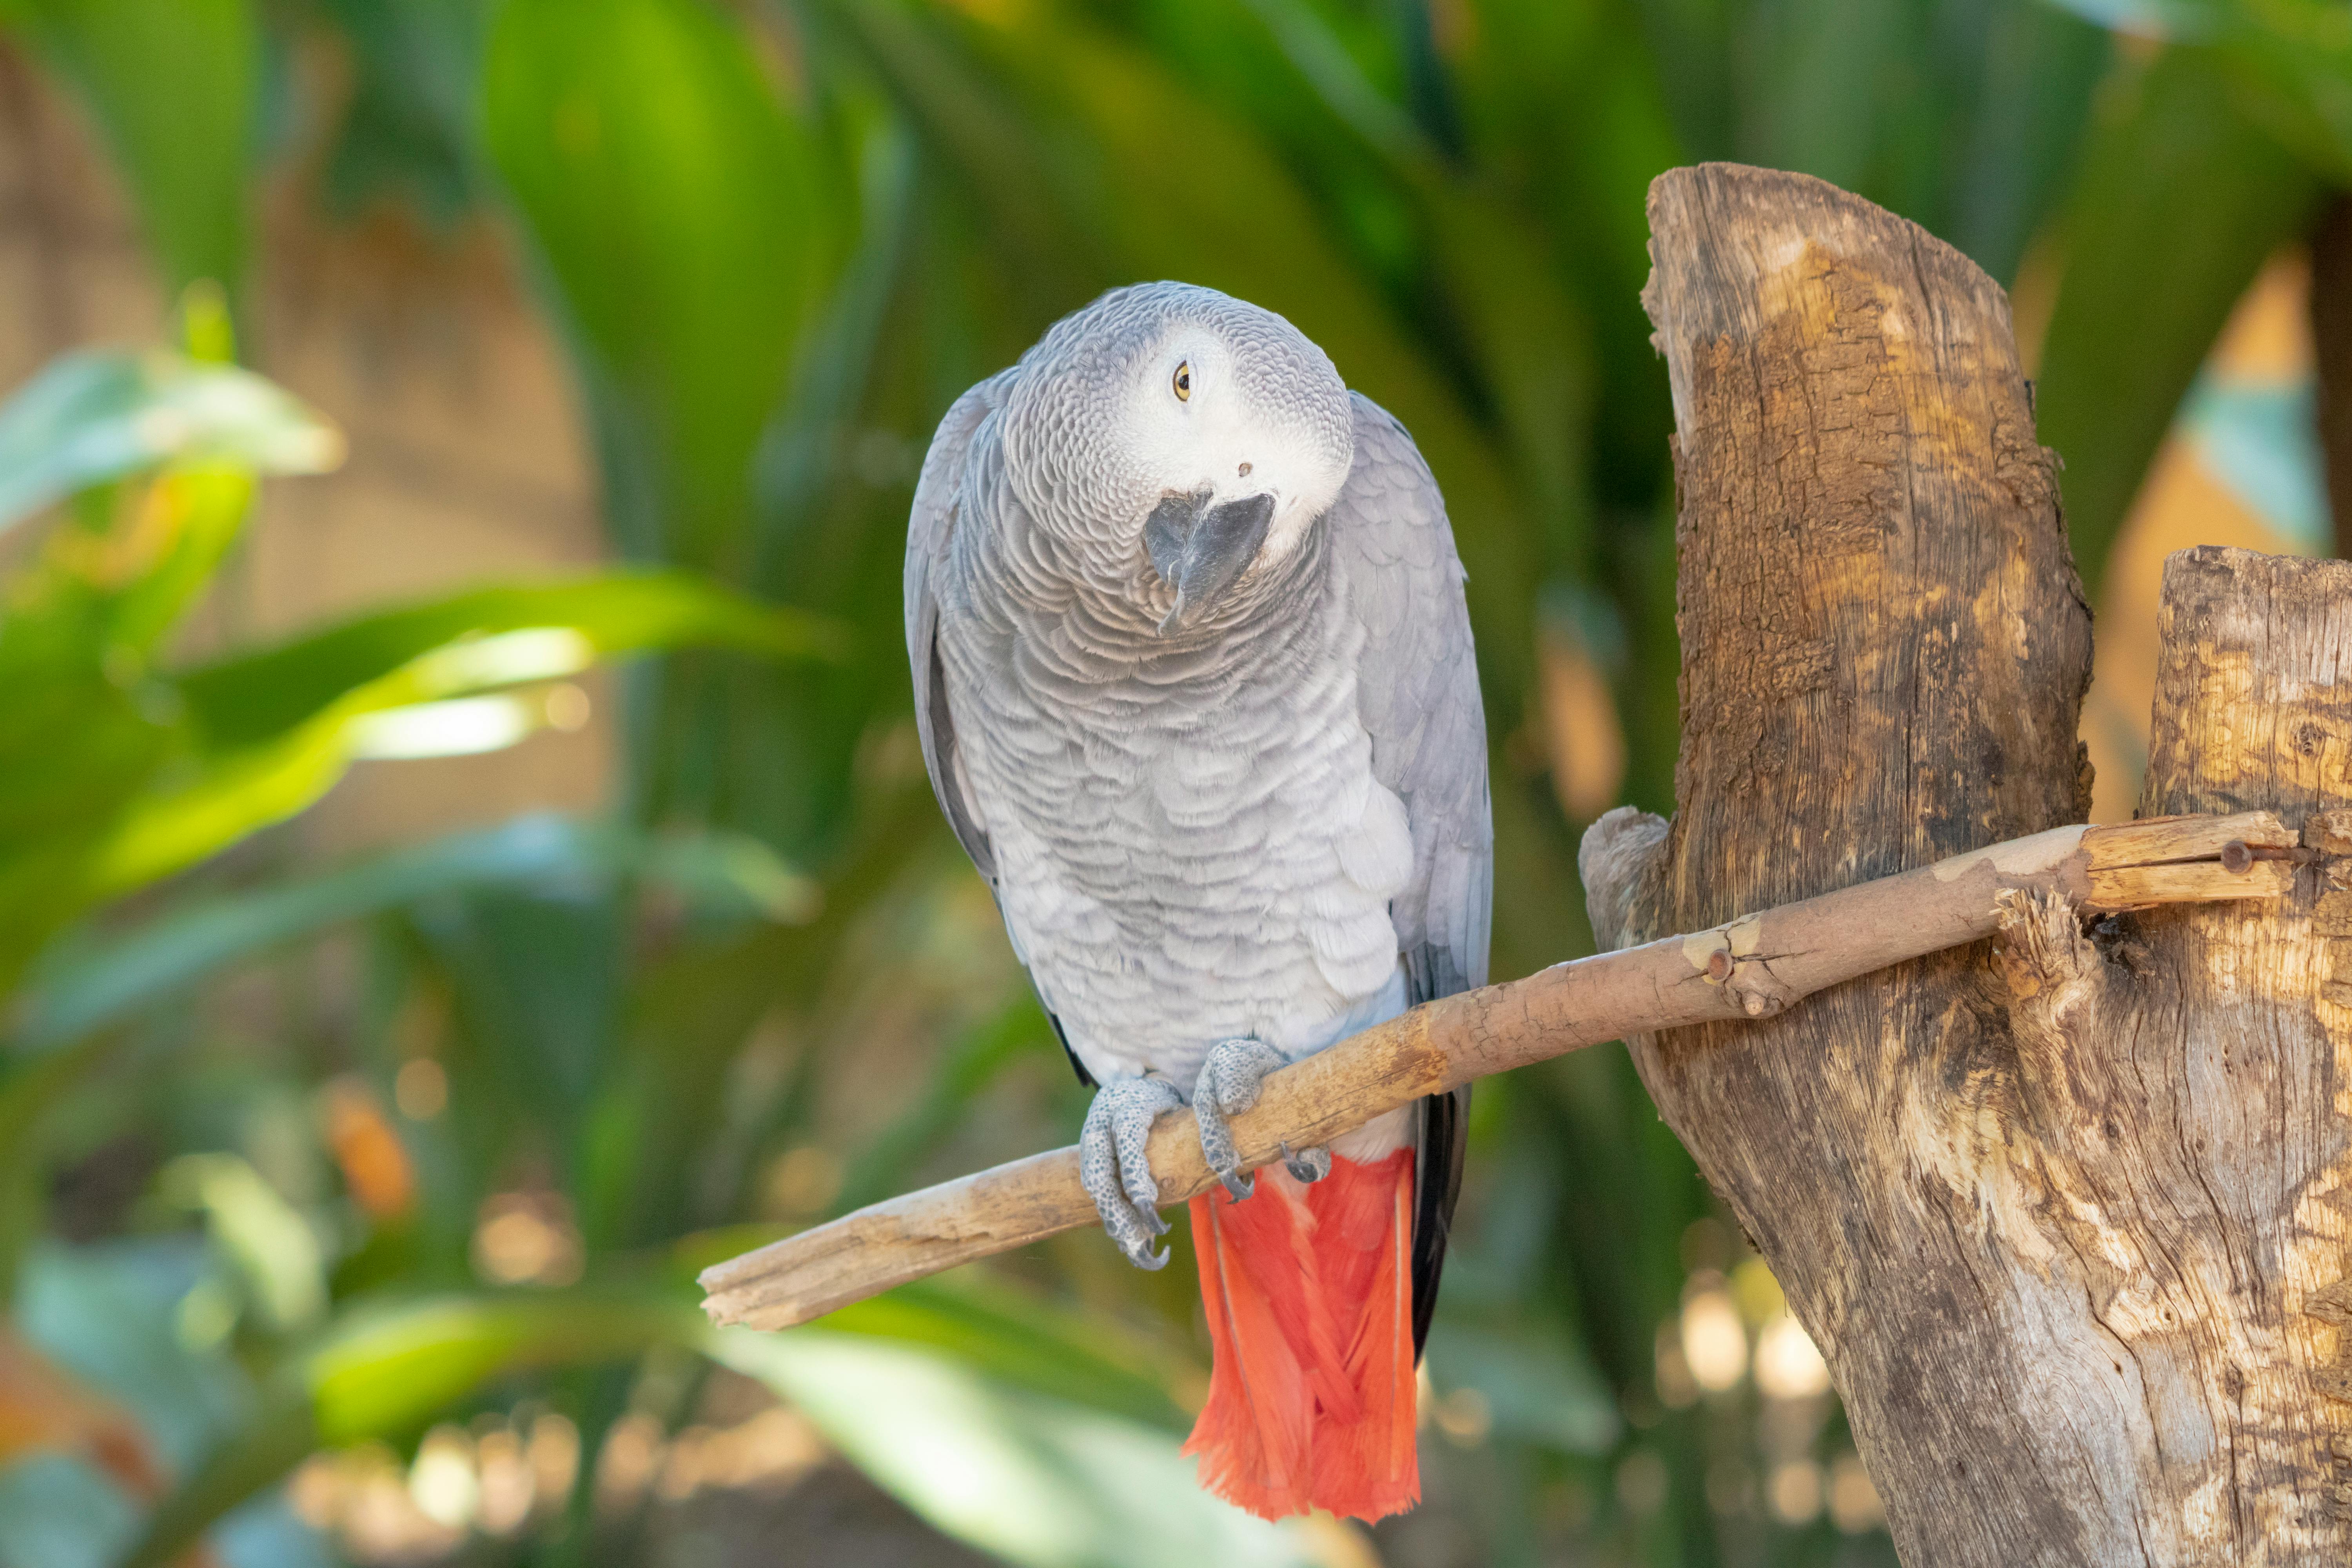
777, 238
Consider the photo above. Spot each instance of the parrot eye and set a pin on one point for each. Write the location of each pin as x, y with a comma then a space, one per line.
1183, 382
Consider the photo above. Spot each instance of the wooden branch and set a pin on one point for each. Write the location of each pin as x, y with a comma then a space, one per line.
2072, 1235
1883, 653
1745, 968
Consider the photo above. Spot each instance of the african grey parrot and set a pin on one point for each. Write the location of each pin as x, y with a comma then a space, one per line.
1194, 682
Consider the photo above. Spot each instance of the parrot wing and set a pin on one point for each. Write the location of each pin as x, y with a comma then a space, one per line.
1417, 694
940, 495
939, 499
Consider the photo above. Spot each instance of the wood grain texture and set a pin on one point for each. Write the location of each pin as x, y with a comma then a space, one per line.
1751, 966
1884, 650
2153, 840
2143, 886
2070, 1225
2217, 1234
2176, 1190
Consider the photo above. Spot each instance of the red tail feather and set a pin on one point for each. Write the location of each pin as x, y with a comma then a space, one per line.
1309, 1294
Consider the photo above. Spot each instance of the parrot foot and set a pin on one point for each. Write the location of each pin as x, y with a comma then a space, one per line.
1309, 1165
1115, 1169
1229, 1086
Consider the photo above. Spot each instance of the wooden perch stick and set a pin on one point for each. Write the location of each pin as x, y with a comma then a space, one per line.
1750, 967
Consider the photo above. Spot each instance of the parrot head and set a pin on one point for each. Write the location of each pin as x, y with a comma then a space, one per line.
1189, 436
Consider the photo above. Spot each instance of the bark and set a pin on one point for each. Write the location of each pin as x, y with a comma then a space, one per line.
2063, 1223
2230, 1296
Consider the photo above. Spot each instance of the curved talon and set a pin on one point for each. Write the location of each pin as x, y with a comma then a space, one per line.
1229, 1086
1307, 1165
1115, 1170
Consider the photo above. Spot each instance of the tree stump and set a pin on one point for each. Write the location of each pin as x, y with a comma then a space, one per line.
2063, 1219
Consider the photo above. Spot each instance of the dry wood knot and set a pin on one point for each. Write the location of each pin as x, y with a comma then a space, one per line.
1727, 956
2056, 980
2043, 949
1620, 853
1760, 992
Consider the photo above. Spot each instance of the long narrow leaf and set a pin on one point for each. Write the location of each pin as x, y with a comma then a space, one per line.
1034, 1481
120, 979
89, 418
174, 84
684, 220
281, 726
1118, 1492
115, 980
253, 696
1025, 1341
2290, 60
1528, 333
2181, 199
87, 728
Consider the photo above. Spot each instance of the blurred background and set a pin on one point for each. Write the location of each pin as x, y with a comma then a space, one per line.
464, 863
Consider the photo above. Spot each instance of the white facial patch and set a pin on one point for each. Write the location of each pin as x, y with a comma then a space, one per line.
1221, 438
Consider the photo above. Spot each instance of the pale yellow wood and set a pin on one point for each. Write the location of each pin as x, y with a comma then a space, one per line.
2185, 882
2153, 840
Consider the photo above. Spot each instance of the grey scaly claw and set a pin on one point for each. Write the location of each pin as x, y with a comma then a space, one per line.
1115, 1169
1229, 1086
1308, 1165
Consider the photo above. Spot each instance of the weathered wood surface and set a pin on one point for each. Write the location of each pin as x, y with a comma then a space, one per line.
2189, 1084
1749, 967
2066, 1228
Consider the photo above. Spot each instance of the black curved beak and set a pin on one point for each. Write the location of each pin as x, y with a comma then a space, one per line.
1198, 548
